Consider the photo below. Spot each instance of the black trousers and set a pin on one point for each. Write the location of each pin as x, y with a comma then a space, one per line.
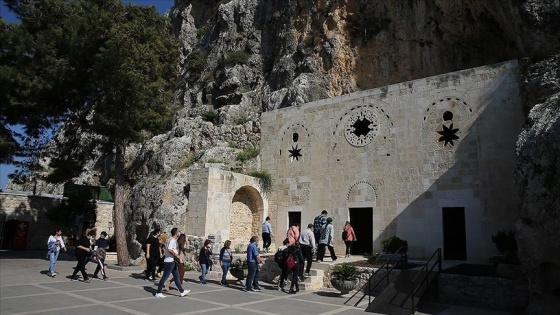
283, 276
267, 240
317, 237
307, 252
321, 252
295, 272
81, 267
151, 265
348, 246
100, 267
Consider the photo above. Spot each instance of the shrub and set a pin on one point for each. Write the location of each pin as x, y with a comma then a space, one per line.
239, 263
211, 116
265, 179
345, 272
393, 243
201, 32
373, 259
197, 62
507, 245
248, 153
241, 120
235, 58
237, 170
191, 159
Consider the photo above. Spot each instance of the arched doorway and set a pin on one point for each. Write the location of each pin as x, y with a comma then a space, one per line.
361, 203
246, 216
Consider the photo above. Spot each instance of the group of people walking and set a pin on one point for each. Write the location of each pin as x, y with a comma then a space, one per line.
88, 249
298, 248
169, 254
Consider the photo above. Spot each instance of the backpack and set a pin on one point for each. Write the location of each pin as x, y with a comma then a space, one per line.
290, 262
278, 257
344, 235
101, 253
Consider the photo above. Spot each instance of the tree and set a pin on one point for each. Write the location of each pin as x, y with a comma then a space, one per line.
104, 68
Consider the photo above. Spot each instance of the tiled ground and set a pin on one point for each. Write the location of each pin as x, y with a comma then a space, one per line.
25, 289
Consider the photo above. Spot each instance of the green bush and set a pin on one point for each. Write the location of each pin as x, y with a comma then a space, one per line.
197, 63
235, 58
241, 120
507, 245
345, 272
393, 243
211, 116
201, 32
239, 263
374, 259
248, 153
237, 170
265, 179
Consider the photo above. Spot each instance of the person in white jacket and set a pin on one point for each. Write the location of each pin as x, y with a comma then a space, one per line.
54, 245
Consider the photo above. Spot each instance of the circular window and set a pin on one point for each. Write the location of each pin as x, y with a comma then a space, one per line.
361, 127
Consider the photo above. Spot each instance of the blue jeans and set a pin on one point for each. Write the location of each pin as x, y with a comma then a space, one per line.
225, 269
53, 256
168, 269
202, 277
252, 281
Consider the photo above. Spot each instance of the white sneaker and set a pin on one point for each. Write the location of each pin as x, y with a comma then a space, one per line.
185, 292
160, 296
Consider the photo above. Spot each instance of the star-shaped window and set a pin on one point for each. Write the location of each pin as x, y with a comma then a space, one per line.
295, 153
448, 135
361, 127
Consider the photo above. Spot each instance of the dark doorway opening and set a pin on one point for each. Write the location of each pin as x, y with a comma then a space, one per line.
294, 218
454, 233
362, 223
8, 234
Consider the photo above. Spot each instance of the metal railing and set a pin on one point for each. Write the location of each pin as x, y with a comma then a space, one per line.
426, 278
402, 260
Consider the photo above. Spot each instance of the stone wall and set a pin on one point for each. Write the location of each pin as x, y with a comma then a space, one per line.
497, 293
25, 206
402, 153
227, 204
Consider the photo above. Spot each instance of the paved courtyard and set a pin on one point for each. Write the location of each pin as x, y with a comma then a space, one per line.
26, 289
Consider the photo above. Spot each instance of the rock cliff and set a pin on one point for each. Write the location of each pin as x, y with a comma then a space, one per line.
538, 178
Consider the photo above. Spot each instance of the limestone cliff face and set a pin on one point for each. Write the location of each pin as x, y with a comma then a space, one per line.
538, 178
300, 51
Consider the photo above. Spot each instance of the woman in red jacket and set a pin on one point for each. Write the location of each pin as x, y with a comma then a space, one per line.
348, 237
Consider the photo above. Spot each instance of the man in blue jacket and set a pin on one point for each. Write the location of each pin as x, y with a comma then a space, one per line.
252, 282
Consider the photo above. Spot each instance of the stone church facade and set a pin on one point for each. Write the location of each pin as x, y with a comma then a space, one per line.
429, 160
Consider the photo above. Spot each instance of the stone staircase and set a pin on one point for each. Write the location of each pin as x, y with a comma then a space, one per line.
314, 281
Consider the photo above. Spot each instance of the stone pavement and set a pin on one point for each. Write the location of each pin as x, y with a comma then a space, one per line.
26, 289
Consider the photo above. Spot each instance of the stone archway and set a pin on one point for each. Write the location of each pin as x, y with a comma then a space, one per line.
246, 212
